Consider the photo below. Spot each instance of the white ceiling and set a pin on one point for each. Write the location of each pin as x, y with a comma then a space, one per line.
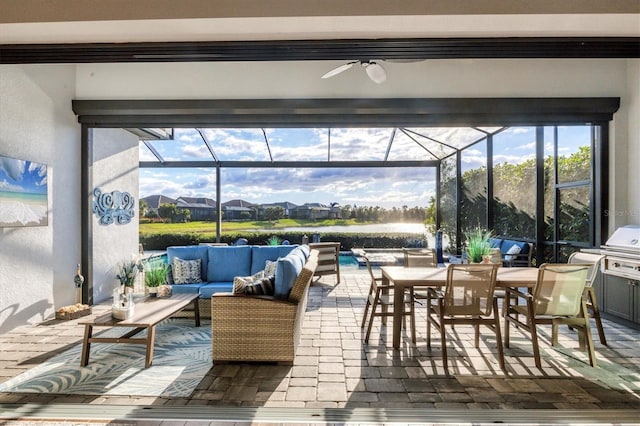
323, 27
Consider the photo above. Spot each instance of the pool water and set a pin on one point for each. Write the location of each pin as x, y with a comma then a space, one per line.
347, 259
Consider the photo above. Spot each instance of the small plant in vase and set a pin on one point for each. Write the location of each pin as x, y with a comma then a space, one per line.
128, 270
478, 245
155, 277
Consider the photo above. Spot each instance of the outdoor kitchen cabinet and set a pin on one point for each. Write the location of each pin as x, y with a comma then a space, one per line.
621, 274
621, 297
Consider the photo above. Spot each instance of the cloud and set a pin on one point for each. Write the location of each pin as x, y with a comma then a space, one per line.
196, 151
40, 170
13, 168
519, 130
199, 183
7, 186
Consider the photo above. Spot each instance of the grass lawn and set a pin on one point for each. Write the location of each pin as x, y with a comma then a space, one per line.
210, 227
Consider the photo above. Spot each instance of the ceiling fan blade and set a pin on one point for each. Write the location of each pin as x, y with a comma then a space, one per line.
339, 69
375, 72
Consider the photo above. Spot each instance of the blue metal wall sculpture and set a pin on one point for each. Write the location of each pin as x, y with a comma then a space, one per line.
113, 207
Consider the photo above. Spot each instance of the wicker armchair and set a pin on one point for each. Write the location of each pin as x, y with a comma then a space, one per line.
260, 328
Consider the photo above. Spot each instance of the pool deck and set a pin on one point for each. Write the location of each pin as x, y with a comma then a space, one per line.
338, 379
379, 257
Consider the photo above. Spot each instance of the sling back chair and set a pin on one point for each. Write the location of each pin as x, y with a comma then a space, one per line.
556, 299
380, 301
466, 300
589, 293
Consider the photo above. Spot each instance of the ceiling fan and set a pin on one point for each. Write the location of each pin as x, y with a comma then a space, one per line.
374, 70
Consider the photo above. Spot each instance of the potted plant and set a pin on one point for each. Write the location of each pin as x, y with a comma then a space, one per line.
273, 241
478, 244
155, 277
127, 272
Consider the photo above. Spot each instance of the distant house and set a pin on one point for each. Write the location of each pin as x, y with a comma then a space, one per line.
335, 211
154, 201
286, 206
238, 209
312, 211
201, 208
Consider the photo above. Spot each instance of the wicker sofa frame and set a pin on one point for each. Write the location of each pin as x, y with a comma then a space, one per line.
260, 328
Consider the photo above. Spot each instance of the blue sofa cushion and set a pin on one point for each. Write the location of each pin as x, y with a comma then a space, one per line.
306, 250
300, 253
260, 255
228, 262
288, 269
209, 289
190, 253
507, 244
495, 242
186, 288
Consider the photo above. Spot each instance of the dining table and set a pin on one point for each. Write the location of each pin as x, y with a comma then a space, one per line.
402, 278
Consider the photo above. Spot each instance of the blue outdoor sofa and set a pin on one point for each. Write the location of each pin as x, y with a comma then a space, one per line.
220, 264
514, 253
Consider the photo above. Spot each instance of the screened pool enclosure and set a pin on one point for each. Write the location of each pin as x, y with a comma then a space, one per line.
528, 169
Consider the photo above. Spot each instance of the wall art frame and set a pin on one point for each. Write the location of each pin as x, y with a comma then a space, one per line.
24, 198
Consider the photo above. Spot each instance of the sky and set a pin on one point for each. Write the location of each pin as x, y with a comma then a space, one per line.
384, 187
22, 176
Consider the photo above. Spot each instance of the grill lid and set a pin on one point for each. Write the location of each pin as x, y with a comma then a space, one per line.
625, 237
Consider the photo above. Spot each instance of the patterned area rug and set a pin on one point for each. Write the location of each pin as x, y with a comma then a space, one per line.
182, 357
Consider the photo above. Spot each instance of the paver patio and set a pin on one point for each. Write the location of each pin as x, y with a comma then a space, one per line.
333, 368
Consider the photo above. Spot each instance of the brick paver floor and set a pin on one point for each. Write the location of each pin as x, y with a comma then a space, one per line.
335, 369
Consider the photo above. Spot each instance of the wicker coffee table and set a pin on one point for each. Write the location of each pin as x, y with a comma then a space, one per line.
149, 312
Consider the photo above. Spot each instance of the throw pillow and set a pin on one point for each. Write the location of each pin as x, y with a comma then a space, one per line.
261, 286
186, 271
241, 283
514, 249
270, 267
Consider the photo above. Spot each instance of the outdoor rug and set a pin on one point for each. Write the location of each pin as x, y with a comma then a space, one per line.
182, 357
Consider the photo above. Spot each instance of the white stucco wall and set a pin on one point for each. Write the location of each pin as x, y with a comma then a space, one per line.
633, 107
37, 264
435, 78
115, 168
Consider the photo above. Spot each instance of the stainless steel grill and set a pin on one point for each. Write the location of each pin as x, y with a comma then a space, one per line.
622, 253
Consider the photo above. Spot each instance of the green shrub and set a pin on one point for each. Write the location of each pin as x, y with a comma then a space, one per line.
348, 240
478, 244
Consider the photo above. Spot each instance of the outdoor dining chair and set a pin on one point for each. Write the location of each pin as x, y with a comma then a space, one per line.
557, 299
466, 300
589, 292
420, 258
380, 302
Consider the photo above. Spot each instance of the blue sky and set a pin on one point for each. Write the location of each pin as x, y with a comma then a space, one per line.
358, 186
22, 176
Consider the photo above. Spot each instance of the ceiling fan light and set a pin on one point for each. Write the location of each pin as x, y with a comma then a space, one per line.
375, 72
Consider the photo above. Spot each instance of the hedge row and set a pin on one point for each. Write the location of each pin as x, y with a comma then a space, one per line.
347, 240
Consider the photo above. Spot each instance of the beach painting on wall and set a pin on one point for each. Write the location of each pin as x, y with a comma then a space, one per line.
23, 193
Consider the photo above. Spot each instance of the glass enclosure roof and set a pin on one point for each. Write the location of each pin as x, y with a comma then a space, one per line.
309, 144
